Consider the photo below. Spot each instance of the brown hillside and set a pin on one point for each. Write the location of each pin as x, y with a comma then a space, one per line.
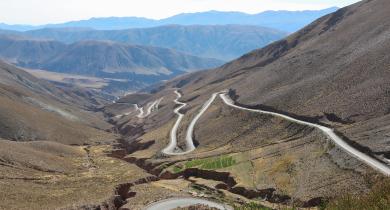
32, 109
336, 69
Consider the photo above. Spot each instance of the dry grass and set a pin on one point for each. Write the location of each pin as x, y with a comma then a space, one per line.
251, 206
377, 199
161, 138
149, 193
88, 180
22, 121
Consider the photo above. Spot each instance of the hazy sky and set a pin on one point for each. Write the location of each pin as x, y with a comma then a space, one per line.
55, 11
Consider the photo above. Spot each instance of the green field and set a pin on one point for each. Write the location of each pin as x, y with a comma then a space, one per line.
207, 163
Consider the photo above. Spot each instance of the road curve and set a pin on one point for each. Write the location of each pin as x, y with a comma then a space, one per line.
190, 129
127, 113
150, 107
170, 149
184, 202
379, 166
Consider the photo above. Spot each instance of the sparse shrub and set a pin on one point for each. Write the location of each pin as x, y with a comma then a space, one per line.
377, 199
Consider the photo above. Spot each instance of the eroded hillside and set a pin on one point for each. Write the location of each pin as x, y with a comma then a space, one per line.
333, 73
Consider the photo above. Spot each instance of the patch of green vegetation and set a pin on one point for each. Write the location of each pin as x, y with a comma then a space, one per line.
377, 199
177, 169
251, 206
195, 163
207, 163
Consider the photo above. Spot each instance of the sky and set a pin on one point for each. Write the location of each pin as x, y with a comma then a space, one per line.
35, 12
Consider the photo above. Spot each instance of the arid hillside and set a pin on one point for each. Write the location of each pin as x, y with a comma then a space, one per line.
55, 146
334, 72
32, 109
303, 122
98, 58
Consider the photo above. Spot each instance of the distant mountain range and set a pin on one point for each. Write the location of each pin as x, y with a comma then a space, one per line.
289, 21
101, 58
224, 42
140, 57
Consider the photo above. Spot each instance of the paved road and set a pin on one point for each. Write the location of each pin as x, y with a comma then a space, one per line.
152, 106
171, 149
184, 202
379, 166
190, 129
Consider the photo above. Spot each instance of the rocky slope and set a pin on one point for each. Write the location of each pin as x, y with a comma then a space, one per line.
54, 146
32, 109
316, 74
333, 72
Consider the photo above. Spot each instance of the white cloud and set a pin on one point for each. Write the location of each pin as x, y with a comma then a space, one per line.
54, 11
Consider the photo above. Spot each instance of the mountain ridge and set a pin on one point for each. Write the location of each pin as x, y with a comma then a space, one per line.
117, 57
223, 42
334, 72
115, 23
294, 69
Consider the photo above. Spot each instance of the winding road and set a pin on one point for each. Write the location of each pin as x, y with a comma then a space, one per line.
374, 163
190, 129
184, 202
171, 149
151, 107
128, 113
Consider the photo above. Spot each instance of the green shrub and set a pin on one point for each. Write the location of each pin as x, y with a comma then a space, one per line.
207, 163
177, 169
